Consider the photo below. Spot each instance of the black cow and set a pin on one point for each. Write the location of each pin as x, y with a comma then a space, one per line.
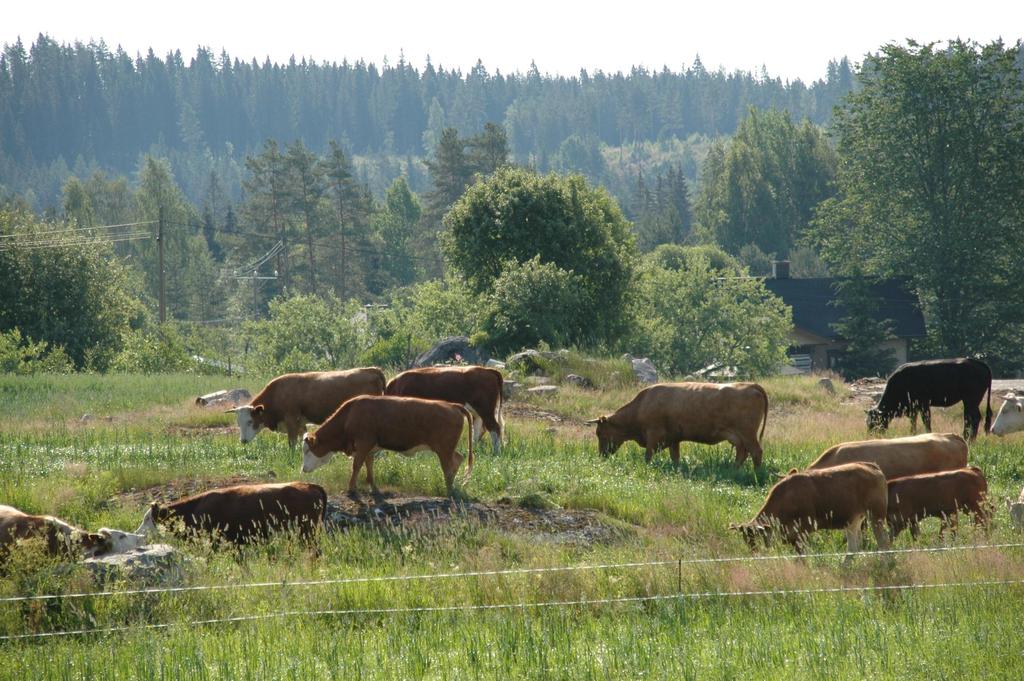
915, 387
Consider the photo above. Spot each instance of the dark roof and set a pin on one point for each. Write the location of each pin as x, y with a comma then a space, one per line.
814, 311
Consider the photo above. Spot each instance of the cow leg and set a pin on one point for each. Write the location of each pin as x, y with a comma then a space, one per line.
358, 459
648, 453
741, 449
972, 421
913, 420
853, 537
673, 451
368, 459
450, 466
295, 429
926, 418
915, 529
756, 453
881, 535
496, 440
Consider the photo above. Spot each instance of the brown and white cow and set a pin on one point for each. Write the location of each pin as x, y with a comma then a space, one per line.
477, 388
901, 456
242, 513
937, 495
61, 538
837, 498
365, 425
293, 400
669, 413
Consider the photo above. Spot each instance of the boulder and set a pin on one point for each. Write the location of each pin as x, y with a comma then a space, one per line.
526, 362
509, 389
577, 380
494, 364
154, 564
543, 390
643, 369
452, 350
225, 398
826, 384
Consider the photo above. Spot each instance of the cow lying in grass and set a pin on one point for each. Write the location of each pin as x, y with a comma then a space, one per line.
838, 498
61, 539
242, 513
937, 495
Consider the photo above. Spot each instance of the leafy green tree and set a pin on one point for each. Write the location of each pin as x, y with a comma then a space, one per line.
676, 257
691, 318
516, 215
863, 331
19, 355
762, 186
932, 187
396, 225
306, 187
307, 333
70, 295
534, 303
155, 349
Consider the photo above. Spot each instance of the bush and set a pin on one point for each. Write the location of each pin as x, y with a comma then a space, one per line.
693, 318
19, 355
308, 333
152, 350
533, 303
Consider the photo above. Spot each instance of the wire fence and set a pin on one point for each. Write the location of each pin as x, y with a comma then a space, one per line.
355, 612
680, 562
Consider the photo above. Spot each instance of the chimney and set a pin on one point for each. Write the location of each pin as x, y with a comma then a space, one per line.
780, 269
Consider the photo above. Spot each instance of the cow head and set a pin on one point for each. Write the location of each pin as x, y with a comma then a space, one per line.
314, 454
154, 514
89, 544
116, 541
1010, 418
609, 436
251, 419
752, 531
877, 420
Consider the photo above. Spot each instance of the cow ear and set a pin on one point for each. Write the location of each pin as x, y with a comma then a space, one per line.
591, 422
309, 439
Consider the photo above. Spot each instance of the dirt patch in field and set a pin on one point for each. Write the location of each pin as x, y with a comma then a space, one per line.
176, 489
181, 430
528, 412
563, 526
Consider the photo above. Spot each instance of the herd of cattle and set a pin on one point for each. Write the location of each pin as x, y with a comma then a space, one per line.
891, 484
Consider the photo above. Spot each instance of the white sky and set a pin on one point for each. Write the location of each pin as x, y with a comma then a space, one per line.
792, 39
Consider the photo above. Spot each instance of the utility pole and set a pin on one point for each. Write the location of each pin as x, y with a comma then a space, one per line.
160, 246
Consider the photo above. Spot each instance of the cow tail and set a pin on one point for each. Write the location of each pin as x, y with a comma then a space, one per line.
988, 406
469, 439
764, 422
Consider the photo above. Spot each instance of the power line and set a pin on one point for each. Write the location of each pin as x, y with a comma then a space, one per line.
83, 241
68, 230
284, 614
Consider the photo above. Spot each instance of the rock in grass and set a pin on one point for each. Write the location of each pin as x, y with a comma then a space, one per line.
543, 390
451, 350
224, 398
643, 369
153, 564
577, 380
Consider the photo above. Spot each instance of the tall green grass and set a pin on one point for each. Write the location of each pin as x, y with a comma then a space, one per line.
657, 512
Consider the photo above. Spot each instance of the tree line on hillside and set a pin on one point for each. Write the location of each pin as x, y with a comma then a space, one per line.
920, 168
74, 108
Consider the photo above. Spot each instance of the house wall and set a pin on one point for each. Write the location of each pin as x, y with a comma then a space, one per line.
819, 348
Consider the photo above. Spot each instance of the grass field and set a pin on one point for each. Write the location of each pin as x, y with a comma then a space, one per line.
142, 434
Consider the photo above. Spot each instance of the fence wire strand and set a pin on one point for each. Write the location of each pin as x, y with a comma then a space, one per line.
497, 573
284, 614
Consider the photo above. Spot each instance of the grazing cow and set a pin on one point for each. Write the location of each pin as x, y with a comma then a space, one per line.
669, 413
293, 400
838, 498
937, 495
900, 456
914, 388
477, 388
61, 538
1010, 418
365, 425
242, 513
